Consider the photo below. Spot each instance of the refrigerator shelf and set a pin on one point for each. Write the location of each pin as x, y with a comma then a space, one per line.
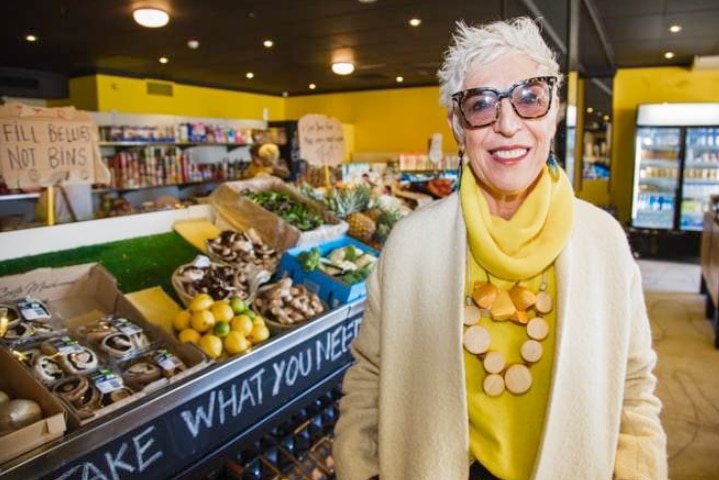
701, 164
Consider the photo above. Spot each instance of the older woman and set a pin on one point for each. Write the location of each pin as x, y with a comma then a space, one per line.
505, 333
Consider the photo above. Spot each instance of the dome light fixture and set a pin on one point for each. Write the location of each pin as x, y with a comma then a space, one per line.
312, 86
343, 68
31, 38
193, 44
151, 17
669, 55
268, 43
399, 79
415, 22
675, 28
163, 60
250, 75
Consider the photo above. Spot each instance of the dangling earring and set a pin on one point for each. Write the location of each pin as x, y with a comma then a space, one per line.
460, 154
553, 166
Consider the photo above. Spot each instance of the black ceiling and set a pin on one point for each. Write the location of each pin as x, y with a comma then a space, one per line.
79, 37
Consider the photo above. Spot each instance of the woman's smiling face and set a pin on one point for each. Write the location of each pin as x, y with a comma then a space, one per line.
508, 155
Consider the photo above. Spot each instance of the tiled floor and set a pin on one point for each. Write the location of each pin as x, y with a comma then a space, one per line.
687, 383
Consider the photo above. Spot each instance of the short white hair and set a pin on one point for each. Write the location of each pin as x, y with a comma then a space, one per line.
479, 45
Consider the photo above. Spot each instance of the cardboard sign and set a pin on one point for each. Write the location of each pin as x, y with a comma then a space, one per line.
43, 146
322, 141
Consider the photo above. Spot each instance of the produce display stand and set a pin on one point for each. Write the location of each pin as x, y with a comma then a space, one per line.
188, 429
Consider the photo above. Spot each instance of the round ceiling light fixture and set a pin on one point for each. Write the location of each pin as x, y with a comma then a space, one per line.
151, 17
343, 68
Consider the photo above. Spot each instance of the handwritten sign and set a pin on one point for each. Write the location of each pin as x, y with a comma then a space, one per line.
321, 140
42, 146
169, 444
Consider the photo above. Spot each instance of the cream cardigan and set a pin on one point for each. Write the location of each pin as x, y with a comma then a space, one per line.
403, 414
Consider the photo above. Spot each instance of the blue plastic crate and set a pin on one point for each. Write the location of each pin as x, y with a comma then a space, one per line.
331, 290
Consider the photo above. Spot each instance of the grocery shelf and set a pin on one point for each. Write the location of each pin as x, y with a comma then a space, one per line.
178, 429
19, 196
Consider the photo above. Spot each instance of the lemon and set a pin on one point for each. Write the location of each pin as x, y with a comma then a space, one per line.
182, 320
189, 335
222, 311
258, 320
202, 320
221, 329
203, 301
242, 324
259, 333
211, 345
236, 343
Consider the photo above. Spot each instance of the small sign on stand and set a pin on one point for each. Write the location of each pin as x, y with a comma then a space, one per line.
49, 147
321, 142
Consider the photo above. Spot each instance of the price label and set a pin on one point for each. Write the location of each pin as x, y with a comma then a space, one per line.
125, 326
106, 381
66, 345
167, 360
32, 309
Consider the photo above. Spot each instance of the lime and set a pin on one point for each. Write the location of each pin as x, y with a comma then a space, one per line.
238, 305
221, 329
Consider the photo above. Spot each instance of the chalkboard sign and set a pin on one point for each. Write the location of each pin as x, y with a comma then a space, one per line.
42, 146
168, 444
321, 140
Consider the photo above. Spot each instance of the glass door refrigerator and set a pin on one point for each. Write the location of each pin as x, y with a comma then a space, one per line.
676, 165
701, 175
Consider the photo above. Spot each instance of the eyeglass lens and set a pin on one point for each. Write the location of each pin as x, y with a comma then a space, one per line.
530, 99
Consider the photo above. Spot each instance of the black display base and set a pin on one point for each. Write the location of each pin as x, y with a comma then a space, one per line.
665, 245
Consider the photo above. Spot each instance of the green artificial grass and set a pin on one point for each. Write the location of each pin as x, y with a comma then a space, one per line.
137, 263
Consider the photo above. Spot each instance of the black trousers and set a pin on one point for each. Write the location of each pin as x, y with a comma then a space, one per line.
478, 472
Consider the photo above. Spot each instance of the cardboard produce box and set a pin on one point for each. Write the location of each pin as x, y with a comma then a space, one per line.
234, 211
83, 294
17, 382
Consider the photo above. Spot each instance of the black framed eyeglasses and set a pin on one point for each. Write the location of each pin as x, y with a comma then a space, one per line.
530, 98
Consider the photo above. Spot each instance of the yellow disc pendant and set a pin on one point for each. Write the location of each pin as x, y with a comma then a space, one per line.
493, 362
476, 340
518, 379
472, 313
543, 303
493, 385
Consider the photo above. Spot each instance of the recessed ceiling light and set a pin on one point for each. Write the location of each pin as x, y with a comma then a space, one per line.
285, 94
399, 79
606, 118
31, 38
151, 17
675, 28
343, 68
415, 22
250, 75
312, 86
590, 109
193, 44
668, 55
366, 1
163, 60
268, 43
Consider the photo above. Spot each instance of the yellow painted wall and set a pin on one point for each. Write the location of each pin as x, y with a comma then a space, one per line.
648, 85
129, 95
394, 120
83, 94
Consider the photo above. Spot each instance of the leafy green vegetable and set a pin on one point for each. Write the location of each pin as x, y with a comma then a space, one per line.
309, 259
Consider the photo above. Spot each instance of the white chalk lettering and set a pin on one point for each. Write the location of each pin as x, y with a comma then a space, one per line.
224, 404
337, 350
141, 448
115, 463
287, 371
193, 421
85, 471
278, 367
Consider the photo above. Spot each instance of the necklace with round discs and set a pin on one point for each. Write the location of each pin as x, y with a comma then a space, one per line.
518, 305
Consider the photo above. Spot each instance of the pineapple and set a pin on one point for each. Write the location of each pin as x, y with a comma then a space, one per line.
385, 222
348, 203
362, 227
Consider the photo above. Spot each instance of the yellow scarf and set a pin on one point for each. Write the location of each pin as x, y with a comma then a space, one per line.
531, 240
